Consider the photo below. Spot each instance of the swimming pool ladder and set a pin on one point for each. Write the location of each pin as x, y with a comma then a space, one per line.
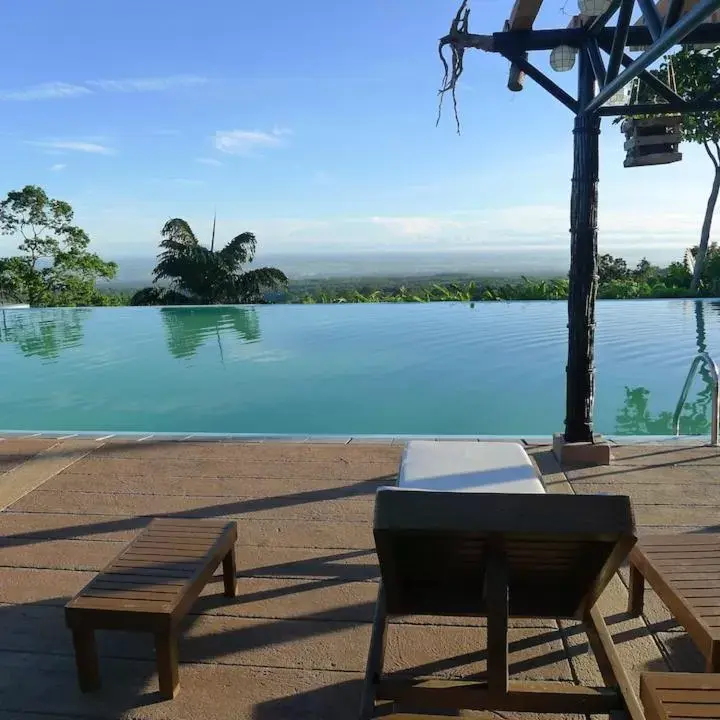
702, 358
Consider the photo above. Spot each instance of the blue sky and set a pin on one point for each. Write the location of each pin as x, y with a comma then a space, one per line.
312, 124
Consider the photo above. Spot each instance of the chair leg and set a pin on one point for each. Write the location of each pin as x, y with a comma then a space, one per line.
497, 600
230, 573
86, 659
166, 656
636, 592
376, 657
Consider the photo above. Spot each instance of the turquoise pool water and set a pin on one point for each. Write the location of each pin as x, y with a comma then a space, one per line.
445, 368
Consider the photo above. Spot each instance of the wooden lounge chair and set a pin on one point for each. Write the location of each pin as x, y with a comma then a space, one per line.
684, 570
523, 554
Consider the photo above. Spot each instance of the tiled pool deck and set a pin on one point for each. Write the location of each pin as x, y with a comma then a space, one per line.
294, 643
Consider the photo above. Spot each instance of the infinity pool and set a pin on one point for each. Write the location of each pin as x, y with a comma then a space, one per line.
426, 369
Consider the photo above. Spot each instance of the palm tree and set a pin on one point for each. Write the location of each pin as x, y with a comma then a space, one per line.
207, 276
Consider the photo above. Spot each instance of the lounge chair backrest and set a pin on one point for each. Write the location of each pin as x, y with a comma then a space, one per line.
560, 550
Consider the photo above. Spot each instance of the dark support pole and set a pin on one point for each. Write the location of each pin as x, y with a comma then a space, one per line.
620, 40
583, 263
651, 16
596, 60
673, 14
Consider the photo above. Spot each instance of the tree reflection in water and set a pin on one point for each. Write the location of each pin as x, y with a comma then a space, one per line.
41, 332
188, 328
634, 418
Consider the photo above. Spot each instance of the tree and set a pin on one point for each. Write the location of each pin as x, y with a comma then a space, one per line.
206, 276
694, 72
55, 266
611, 268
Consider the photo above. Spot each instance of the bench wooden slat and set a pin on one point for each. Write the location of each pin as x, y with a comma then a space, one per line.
653, 541
129, 594
177, 542
700, 696
190, 556
160, 563
691, 710
145, 587
681, 681
122, 577
101, 603
152, 571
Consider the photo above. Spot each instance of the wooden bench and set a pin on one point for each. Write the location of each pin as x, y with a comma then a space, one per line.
149, 587
671, 696
684, 570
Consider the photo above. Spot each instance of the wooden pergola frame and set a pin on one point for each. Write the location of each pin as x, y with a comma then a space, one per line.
670, 23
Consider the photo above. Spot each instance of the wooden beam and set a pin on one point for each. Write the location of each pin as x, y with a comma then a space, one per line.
541, 697
609, 661
523, 14
662, 8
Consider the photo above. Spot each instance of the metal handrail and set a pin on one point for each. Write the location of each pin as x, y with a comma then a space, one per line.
715, 411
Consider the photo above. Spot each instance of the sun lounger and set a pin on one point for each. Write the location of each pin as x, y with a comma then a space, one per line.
452, 541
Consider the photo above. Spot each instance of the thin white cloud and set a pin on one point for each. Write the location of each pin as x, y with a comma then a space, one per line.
63, 90
208, 161
187, 181
58, 167
244, 142
56, 146
147, 84
45, 91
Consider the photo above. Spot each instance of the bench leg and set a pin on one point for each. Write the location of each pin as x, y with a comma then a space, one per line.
166, 656
86, 659
229, 574
636, 592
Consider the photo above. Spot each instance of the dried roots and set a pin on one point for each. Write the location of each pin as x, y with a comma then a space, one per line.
453, 71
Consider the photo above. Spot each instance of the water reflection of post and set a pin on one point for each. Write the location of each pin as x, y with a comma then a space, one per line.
704, 372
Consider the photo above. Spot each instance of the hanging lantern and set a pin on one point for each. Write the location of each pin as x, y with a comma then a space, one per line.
593, 8
562, 58
652, 140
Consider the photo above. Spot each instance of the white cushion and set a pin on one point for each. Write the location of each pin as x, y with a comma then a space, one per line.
468, 466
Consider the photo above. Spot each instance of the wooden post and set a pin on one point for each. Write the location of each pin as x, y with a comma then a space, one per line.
580, 394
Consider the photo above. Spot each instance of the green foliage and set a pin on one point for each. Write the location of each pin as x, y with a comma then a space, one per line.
695, 71
616, 281
55, 266
205, 276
